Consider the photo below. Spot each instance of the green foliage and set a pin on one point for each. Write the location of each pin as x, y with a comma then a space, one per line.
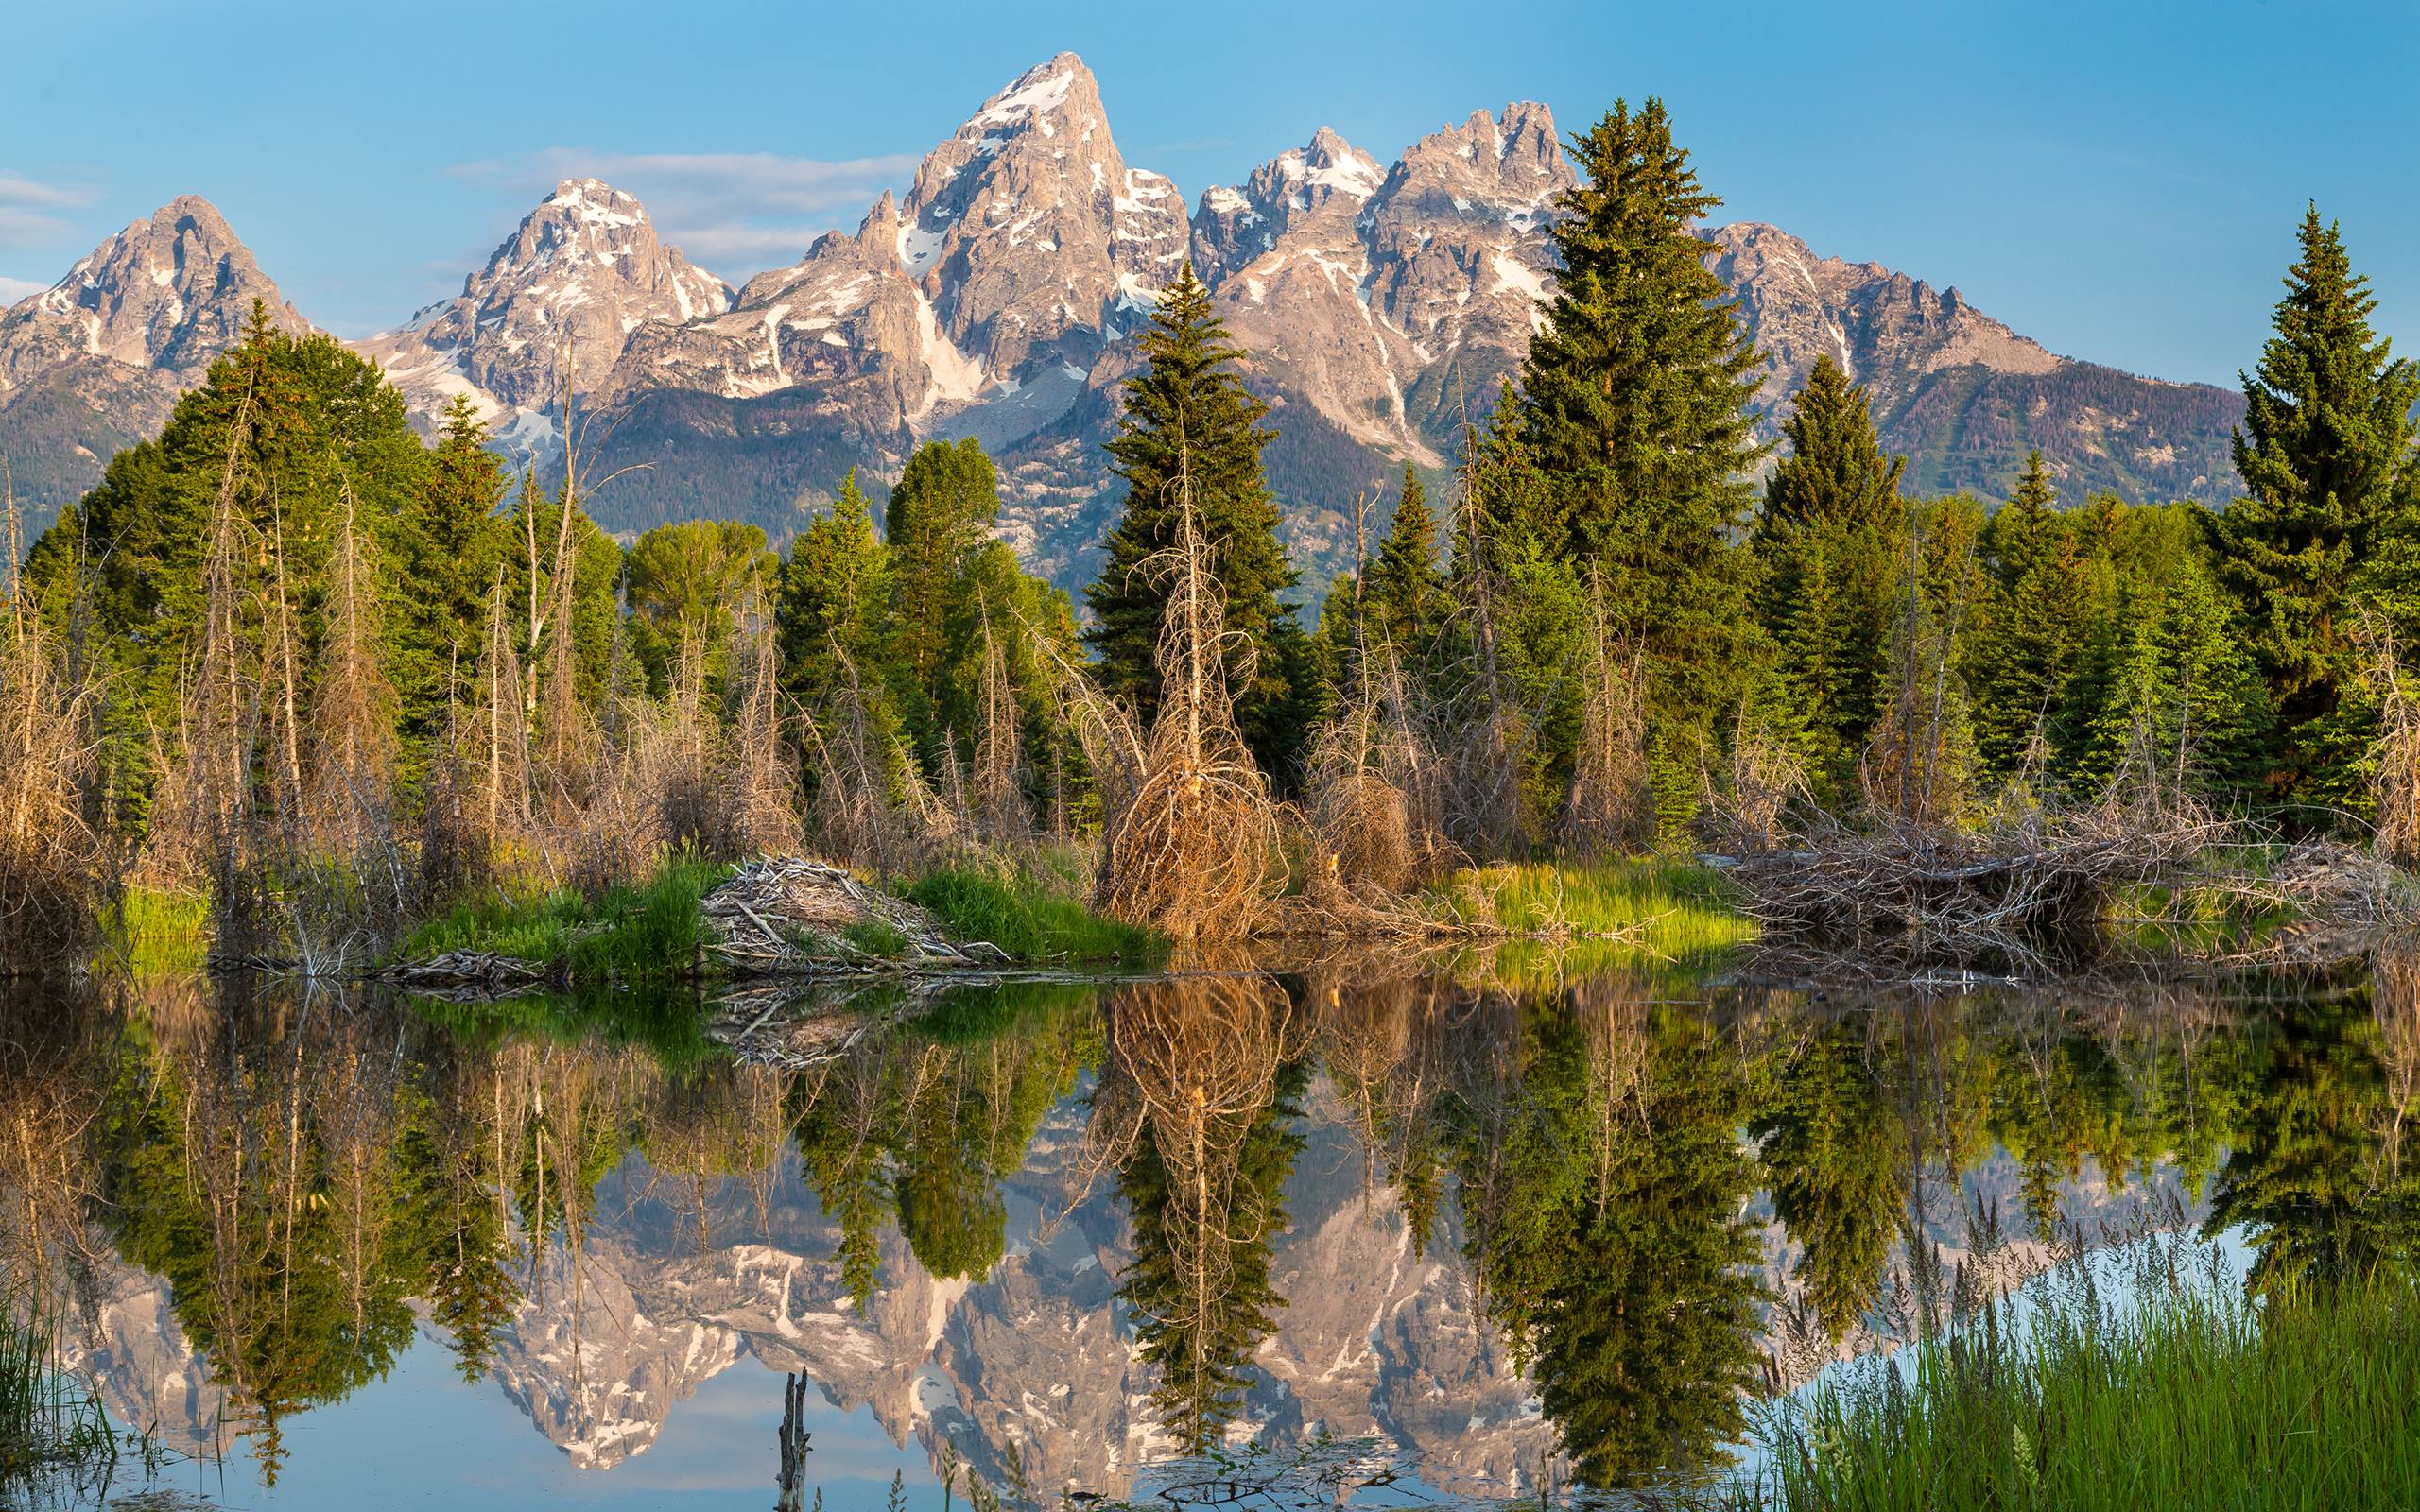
1222, 1227
687, 585
1603, 1209
1188, 411
1623, 460
1030, 915
2328, 456
292, 423
1405, 584
648, 933
1836, 1168
154, 933
2187, 1397
835, 592
1829, 550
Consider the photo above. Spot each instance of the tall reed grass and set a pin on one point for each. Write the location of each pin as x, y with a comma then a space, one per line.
2184, 1395
53, 1432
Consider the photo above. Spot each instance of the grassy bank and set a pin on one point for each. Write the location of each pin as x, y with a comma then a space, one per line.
1036, 915
152, 932
1661, 905
647, 932
2193, 1398
652, 932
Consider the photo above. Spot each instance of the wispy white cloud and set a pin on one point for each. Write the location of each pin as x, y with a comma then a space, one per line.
25, 207
13, 289
733, 212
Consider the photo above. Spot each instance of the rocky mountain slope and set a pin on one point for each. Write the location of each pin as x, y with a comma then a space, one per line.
1382, 305
1961, 394
96, 362
555, 303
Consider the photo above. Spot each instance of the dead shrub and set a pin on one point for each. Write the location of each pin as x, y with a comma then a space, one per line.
1195, 852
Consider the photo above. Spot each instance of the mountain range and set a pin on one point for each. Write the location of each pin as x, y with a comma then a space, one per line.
1381, 306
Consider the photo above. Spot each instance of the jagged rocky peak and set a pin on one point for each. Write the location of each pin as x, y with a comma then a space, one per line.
1328, 176
582, 271
1510, 165
1880, 326
168, 293
1026, 227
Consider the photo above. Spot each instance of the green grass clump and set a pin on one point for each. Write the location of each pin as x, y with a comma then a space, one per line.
1672, 908
648, 933
2190, 1398
152, 932
52, 1428
1031, 917
874, 938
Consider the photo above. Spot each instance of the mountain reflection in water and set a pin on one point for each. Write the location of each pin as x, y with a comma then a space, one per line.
1063, 1232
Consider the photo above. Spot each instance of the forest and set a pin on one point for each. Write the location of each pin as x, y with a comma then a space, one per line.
299, 666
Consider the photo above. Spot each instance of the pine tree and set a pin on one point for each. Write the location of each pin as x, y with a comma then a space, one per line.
1404, 586
2046, 582
2327, 459
833, 590
1634, 402
1829, 546
1188, 411
452, 544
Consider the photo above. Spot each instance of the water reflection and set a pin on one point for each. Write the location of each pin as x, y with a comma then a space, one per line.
1567, 1228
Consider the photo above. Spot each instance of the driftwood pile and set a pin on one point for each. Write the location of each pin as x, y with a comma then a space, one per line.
1929, 889
791, 914
477, 972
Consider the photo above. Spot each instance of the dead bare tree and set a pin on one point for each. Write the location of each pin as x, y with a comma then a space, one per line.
52, 860
1195, 850
2394, 784
1610, 809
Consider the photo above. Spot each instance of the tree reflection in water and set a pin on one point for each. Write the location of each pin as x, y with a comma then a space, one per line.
1660, 1195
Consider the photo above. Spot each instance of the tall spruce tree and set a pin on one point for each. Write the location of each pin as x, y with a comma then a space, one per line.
1189, 410
1829, 546
1404, 586
834, 590
1634, 402
2326, 456
452, 546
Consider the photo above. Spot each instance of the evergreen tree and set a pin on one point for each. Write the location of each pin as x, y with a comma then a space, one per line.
453, 545
1836, 1168
1188, 411
2327, 459
1829, 546
1634, 402
835, 589
2044, 585
1404, 588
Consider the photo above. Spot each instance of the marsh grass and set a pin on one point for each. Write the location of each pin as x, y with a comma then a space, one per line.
2184, 1395
646, 932
52, 1428
1035, 914
1654, 905
152, 931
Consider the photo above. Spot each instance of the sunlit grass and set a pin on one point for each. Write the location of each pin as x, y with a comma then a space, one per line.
152, 932
649, 932
2191, 1398
1036, 915
1676, 909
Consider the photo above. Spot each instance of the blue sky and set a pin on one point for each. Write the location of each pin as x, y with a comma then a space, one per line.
2117, 180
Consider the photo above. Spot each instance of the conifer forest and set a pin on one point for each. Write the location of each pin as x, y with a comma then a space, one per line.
1692, 966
